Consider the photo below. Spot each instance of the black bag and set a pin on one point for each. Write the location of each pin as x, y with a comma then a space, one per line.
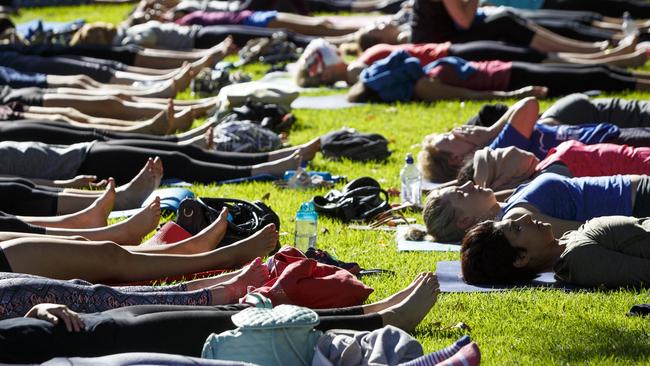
348, 143
361, 199
245, 218
268, 115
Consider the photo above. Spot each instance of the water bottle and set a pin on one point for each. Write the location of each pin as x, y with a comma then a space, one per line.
629, 27
306, 227
411, 182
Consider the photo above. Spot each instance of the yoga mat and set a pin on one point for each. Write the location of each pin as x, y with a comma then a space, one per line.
404, 245
428, 186
449, 276
170, 198
335, 101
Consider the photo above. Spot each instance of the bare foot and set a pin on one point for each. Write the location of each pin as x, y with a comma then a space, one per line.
208, 137
253, 275
307, 150
132, 194
278, 167
159, 124
257, 245
132, 230
409, 312
394, 299
210, 237
182, 120
97, 213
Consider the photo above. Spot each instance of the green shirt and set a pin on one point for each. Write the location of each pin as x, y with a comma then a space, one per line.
608, 251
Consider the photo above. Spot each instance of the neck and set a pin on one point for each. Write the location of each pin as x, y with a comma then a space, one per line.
340, 73
496, 210
552, 256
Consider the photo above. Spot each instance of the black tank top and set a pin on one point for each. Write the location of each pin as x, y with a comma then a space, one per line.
431, 22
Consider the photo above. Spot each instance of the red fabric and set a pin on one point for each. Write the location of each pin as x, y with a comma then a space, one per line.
599, 159
298, 280
169, 233
489, 75
425, 52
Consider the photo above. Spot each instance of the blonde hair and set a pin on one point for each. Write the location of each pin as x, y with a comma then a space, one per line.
440, 217
100, 33
302, 75
435, 164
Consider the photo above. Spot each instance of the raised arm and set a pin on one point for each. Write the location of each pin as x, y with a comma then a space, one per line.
462, 12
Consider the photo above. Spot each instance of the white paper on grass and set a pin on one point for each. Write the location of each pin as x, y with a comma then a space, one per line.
404, 245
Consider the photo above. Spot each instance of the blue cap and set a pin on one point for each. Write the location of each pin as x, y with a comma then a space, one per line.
409, 158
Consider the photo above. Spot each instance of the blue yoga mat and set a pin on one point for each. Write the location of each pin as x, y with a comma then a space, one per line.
170, 199
449, 276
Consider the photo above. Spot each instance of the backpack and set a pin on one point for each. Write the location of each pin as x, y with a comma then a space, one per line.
271, 50
361, 199
245, 136
244, 218
348, 143
273, 116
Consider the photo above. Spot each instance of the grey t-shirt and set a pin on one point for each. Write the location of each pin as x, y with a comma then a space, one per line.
611, 251
154, 34
42, 161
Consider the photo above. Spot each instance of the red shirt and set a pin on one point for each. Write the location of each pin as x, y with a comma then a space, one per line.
489, 75
425, 52
599, 159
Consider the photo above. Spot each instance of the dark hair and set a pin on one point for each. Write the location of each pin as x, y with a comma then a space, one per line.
366, 40
488, 115
6, 24
487, 257
466, 172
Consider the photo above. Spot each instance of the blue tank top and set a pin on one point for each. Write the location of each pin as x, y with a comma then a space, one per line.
576, 199
546, 137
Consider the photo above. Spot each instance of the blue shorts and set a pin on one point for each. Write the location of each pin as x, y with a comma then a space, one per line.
260, 18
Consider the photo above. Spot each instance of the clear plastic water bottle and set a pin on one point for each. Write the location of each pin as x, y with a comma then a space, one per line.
411, 182
306, 227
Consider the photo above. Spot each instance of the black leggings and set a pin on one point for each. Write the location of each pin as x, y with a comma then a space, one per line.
12, 223
504, 26
493, 50
212, 35
562, 79
633, 136
642, 199
612, 8
122, 54
22, 197
144, 328
52, 132
123, 159
57, 65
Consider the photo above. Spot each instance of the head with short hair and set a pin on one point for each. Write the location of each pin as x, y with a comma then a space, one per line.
319, 64
487, 257
98, 33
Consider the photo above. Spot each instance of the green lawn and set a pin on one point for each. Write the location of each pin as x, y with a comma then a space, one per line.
520, 327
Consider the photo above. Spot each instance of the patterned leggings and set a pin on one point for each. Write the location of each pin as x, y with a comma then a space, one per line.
19, 292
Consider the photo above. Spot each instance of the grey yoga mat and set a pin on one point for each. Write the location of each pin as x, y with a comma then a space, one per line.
449, 276
335, 101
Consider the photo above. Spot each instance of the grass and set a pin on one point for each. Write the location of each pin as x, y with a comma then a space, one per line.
530, 327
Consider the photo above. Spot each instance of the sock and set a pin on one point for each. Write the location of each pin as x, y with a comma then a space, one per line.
469, 355
439, 356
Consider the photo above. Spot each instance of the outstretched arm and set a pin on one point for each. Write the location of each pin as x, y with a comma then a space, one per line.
431, 89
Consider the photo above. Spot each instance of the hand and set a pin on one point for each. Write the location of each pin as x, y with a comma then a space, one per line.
81, 181
54, 313
476, 135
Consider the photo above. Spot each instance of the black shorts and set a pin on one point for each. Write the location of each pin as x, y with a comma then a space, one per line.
4, 264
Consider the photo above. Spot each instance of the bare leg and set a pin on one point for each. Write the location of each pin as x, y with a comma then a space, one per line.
109, 263
547, 41
311, 26
93, 216
127, 232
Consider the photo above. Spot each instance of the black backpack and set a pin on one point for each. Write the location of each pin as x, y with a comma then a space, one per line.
268, 115
361, 199
348, 143
245, 218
